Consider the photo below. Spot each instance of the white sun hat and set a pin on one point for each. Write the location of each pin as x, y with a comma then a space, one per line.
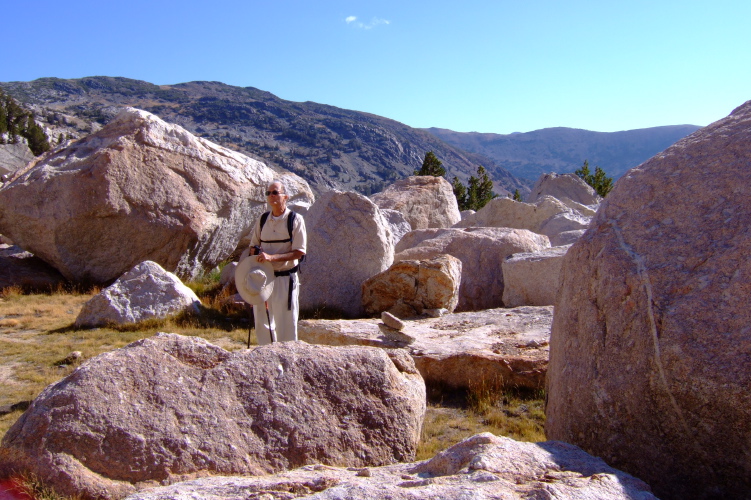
254, 280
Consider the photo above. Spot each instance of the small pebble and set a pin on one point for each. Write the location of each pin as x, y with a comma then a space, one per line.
70, 358
435, 313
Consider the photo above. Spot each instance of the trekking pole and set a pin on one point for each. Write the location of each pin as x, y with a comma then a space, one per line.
250, 322
268, 318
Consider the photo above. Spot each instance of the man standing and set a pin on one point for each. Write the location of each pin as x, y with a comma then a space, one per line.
282, 242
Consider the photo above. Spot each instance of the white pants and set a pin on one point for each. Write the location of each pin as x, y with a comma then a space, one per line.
283, 320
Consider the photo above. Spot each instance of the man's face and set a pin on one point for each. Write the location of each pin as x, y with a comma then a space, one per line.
276, 195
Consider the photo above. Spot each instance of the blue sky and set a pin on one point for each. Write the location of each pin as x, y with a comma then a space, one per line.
487, 66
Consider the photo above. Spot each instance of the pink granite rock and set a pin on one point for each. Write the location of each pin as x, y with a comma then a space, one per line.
481, 251
483, 466
424, 200
409, 287
650, 362
505, 347
349, 240
172, 407
138, 189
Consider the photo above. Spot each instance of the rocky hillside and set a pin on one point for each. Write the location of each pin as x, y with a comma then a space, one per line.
562, 150
328, 146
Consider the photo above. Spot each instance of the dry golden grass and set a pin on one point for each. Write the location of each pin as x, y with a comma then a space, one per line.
31, 487
37, 333
455, 415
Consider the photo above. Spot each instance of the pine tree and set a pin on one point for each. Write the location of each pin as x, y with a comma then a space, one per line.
584, 172
601, 183
3, 128
431, 165
3, 117
480, 190
16, 121
34, 134
15, 118
478, 194
517, 196
460, 191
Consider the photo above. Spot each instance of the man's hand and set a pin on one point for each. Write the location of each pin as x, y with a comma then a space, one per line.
279, 257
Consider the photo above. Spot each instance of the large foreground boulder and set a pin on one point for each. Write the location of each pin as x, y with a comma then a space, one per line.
349, 240
139, 189
649, 360
145, 292
172, 407
481, 251
409, 287
426, 201
503, 347
483, 466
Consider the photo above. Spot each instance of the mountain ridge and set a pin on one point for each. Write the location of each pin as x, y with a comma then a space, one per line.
333, 147
328, 146
527, 155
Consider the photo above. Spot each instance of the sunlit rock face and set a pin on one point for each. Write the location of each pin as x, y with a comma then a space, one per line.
139, 189
649, 357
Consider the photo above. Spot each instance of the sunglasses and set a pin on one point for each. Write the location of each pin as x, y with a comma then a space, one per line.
274, 192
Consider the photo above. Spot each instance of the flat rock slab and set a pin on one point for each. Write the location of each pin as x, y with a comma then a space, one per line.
500, 346
483, 466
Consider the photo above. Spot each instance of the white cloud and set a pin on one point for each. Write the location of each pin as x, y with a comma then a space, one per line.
366, 26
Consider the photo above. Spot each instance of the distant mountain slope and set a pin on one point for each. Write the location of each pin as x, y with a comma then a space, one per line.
564, 150
328, 146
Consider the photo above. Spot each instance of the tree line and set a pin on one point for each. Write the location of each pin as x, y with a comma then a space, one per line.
479, 191
17, 122
474, 196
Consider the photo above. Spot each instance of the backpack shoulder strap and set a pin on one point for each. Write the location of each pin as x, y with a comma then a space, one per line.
264, 216
291, 223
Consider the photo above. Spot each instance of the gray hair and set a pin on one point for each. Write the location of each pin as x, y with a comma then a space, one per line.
277, 181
